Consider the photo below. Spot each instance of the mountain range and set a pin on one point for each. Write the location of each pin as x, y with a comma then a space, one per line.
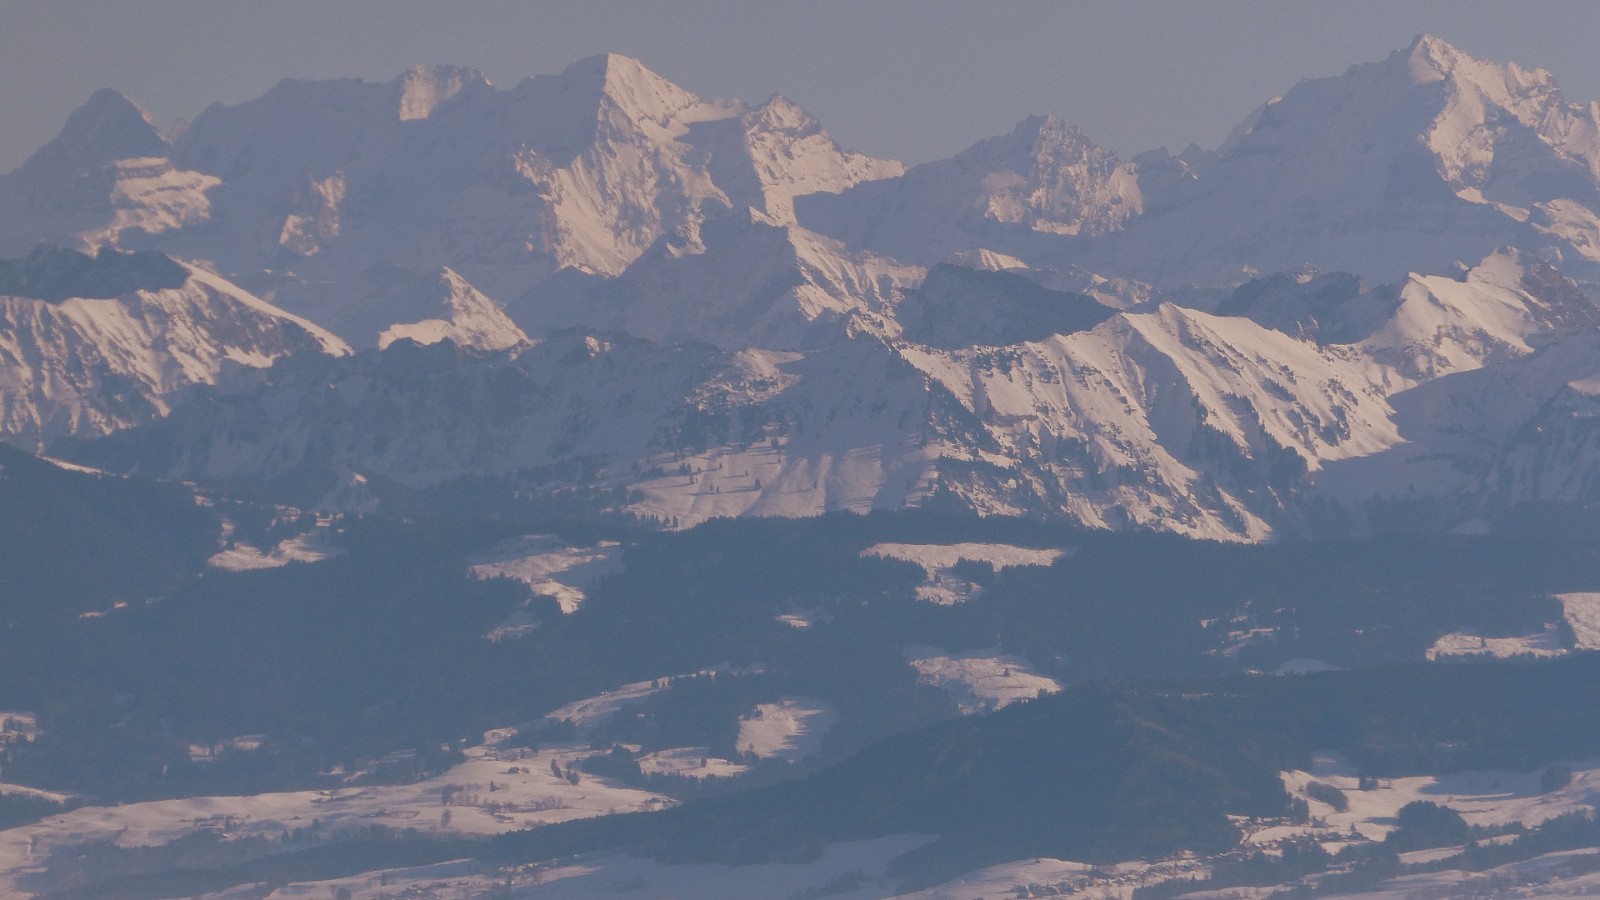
1372, 307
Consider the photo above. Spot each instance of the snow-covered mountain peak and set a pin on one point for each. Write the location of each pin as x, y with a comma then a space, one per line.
107, 127
1431, 59
1044, 177
109, 112
789, 155
422, 88
624, 83
461, 313
781, 113
1406, 164
1505, 268
1508, 305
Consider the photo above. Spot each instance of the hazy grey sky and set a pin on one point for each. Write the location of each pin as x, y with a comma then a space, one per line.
910, 79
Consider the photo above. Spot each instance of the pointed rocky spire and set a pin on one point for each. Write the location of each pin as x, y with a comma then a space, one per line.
108, 126
629, 86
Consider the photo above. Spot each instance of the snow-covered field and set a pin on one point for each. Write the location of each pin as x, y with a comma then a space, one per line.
1544, 643
939, 557
591, 711
303, 548
1044, 876
498, 788
1482, 798
550, 566
1582, 612
851, 871
790, 729
689, 762
939, 584
980, 683
1568, 873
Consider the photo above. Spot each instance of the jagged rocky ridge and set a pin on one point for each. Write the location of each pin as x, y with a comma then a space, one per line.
717, 311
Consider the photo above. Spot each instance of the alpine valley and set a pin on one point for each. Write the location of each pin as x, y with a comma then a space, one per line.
432, 488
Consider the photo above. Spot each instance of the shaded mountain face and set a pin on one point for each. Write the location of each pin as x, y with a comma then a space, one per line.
958, 307
715, 310
57, 274
77, 541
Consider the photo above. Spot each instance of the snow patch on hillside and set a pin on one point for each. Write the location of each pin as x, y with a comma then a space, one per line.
302, 548
689, 762
1582, 612
790, 729
940, 584
940, 557
592, 711
550, 566
1489, 797
980, 683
